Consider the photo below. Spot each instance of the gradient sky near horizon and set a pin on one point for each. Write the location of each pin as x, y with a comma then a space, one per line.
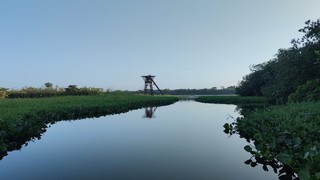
111, 43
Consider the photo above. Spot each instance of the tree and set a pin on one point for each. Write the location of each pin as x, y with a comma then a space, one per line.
291, 68
72, 90
3, 92
48, 85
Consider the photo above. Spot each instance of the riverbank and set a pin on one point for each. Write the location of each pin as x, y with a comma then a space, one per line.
231, 99
24, 119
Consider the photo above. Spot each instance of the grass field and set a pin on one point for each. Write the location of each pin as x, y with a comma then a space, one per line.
12, 110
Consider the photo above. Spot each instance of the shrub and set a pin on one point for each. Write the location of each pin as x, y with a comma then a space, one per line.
310, 91
49, 91
3, 93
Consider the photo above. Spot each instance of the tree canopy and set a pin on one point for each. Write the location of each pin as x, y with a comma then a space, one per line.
276, 79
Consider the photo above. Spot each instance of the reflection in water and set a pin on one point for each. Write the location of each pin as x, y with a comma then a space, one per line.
149, 112
284, 172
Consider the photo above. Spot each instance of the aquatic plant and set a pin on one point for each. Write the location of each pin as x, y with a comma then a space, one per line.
286, 137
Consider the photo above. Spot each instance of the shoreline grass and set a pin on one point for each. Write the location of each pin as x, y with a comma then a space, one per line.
231, 99
15, 109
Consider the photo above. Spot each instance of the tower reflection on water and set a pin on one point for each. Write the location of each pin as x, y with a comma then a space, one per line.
149, 112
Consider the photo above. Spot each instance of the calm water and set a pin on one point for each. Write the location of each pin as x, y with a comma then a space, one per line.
182, 141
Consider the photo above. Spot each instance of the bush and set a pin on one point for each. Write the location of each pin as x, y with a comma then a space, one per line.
49, 91
310, 91
3, 93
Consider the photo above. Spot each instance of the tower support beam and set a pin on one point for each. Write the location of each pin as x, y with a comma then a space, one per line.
148, 81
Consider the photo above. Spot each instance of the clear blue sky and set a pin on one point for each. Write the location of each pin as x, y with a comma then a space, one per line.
111, 43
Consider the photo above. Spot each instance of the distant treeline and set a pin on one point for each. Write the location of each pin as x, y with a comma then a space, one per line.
205, 91
72, 90
48, 91
293, 75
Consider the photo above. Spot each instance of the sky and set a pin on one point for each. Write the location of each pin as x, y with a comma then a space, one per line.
111, 43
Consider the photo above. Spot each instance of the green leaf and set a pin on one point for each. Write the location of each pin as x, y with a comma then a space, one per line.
248, 161
273, 145
254, 164
318, 175
257, 136
248, 148
265, 168
306, 155
226, 125
284, 158
258, 146
313, 151
297, 141
304, 174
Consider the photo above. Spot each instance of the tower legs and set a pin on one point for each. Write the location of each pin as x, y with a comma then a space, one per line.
146, 88
151, 89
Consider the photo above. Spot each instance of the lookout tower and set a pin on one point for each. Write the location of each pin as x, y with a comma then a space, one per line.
148, 81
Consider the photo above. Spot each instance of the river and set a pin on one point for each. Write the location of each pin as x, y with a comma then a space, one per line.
180, 141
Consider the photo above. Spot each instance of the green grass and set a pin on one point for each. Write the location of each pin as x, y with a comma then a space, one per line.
16, 109
231, 99
290, 134
24, 119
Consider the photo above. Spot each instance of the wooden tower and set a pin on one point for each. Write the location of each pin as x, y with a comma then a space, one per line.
148, 81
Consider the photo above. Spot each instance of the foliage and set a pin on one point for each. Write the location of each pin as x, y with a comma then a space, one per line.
310, 91
48, 85
3, 93
285, 137
251, 83
22, 120
49, 91
291, 68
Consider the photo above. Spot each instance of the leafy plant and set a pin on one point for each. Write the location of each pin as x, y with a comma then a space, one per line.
285, 134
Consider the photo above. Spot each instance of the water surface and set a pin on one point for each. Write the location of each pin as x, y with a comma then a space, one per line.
181, 141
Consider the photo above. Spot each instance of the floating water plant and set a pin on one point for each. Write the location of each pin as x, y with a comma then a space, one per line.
284, 137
